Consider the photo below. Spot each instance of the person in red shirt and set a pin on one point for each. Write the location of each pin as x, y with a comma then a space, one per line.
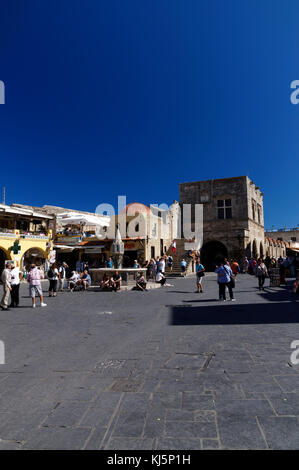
235, 267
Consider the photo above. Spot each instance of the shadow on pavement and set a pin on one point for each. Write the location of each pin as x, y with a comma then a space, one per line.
230, 313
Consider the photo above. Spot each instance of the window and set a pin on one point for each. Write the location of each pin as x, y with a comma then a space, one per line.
293, 239
253, 209
224, 208
137, 228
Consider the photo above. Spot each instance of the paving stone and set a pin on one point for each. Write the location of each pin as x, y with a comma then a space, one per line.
167, 400
210, 444
284, 403
180, 415
192, 401
239, 432
130, 424
288, 383
58, 439
281, 432
189, 429
178, 443
66, 414
95, 438
130, 444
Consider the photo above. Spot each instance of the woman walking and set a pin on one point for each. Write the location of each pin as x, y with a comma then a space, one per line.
53, 277
261, 273
200, 272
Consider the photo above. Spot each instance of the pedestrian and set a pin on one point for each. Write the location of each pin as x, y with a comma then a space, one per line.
6, 279
261, 273
173, 247
62, 276
170, 262
53, 277
34, 277
15, 286
245, 265
183, 266
235, 267
161, 265
225, 276
200, 272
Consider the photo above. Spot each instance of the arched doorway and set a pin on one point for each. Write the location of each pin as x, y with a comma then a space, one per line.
248, 250
3, 257
211, 253
261, 250
34, 255
254, 249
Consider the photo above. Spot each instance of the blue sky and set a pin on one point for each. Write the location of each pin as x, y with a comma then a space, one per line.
133, 97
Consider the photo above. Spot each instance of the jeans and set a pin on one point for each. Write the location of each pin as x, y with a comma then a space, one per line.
261, 281
15, 295
222, 287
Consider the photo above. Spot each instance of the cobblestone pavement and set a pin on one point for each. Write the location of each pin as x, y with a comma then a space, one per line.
164, 369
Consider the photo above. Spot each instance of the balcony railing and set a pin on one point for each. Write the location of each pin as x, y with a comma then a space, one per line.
9, 233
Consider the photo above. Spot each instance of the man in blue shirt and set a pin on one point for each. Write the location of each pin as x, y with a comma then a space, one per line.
225, 276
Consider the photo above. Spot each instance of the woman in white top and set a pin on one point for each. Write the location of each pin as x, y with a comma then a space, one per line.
53, 277
15, 286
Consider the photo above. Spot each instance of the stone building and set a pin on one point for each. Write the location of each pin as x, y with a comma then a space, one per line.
233, 217
284, 237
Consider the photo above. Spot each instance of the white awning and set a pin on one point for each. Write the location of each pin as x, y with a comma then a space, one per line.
74, 218
65, 247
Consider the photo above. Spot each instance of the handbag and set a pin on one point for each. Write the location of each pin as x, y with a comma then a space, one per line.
232, 282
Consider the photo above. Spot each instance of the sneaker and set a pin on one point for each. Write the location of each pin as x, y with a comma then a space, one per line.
233, 300
43, 305
33, 305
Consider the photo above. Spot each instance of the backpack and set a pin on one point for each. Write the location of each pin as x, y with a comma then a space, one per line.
51, 273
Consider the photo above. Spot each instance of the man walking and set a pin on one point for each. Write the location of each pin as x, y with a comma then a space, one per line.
6, 279
34, 277
62, 276
15, 286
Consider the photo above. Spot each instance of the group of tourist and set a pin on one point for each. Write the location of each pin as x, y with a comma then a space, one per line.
59, 280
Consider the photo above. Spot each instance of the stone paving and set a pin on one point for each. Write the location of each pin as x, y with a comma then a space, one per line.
164, 369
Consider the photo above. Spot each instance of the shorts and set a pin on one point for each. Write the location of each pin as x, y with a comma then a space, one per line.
35, 289
199, 279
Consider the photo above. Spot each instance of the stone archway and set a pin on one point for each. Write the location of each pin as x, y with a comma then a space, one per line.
34, 255
261, 250
248, 250
254, 249
4, 255
211, 253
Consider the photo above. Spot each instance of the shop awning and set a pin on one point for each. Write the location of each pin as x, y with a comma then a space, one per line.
64, 248
73, 218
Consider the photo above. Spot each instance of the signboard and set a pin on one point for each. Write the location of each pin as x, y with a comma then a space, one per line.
130, 246
95, 249
52, 256
71, 241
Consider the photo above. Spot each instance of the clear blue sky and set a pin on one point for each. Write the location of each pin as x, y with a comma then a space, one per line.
134, 96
